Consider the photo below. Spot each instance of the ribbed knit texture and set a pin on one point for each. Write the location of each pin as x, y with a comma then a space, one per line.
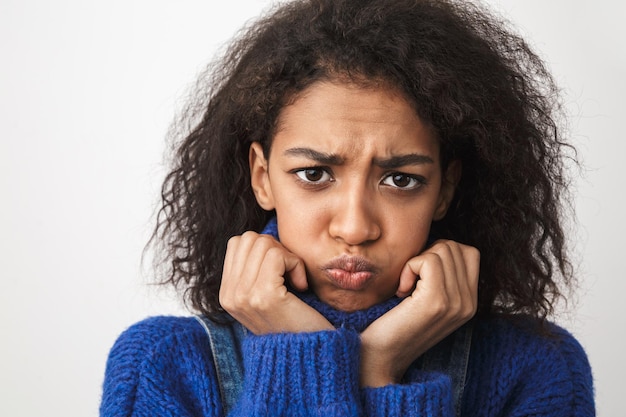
163, 366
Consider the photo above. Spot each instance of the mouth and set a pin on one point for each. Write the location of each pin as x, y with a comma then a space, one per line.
349, 272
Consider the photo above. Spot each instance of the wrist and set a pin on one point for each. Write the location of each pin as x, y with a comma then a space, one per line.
369, 379
377, 370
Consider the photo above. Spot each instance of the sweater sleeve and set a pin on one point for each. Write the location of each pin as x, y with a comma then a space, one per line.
301, 374
317, 374
429, 395
161, 366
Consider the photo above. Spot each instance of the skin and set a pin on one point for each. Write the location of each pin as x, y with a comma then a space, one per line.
355, 179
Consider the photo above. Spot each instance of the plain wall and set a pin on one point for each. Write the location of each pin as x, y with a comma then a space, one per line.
87, 92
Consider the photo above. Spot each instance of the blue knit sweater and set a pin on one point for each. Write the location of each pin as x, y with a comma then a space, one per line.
163, 366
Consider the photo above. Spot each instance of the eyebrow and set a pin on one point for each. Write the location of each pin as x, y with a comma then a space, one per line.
385, 163
321, 157
403, 160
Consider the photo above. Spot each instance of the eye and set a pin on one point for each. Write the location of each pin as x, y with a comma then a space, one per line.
403, 181
313, 175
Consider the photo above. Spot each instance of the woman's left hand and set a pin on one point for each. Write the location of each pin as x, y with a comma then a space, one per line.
441, 290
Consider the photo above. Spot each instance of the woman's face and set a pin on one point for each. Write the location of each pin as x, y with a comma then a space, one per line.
355, 179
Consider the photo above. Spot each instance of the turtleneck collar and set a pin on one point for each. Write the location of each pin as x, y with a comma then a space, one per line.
357, 320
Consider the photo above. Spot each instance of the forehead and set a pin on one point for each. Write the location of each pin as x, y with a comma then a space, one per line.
344, 117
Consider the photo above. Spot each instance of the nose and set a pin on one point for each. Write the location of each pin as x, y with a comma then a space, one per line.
354, 220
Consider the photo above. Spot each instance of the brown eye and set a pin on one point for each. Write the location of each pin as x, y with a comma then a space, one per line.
313, 175
403, 181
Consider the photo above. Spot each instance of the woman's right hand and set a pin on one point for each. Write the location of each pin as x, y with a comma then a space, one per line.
254, 290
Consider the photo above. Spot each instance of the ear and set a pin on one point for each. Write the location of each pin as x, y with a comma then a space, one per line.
259, 177
450, 180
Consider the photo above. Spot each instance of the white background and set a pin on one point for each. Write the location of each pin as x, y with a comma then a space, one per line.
87, 91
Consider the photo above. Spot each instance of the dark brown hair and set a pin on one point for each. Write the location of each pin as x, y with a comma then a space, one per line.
487, 96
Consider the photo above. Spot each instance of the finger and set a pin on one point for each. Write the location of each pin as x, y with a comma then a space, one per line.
229, 257
467, 303
245, 255
443, 249
467, 264
247, 294
460, 270
296, 272
252, 257
471, 256
463, 257
237, 253
408, 280
280, 266
227, 272
428, 268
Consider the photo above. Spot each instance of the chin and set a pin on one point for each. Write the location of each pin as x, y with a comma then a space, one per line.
350, 302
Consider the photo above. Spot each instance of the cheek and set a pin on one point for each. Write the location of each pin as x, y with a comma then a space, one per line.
409, 234
299, 222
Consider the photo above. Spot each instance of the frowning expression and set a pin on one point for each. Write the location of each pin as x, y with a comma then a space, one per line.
355, 179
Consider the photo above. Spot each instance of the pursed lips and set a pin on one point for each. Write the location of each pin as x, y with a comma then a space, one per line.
350, 272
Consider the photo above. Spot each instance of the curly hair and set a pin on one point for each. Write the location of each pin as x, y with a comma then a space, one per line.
487, 95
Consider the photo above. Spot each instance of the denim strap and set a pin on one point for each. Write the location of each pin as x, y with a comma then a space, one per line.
451, 356
225, 340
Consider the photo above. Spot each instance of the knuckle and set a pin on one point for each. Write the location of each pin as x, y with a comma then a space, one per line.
443, 245
239, 298
225, 301
264, 242
472, 252
249, 235
233, 241
433, 257
258, 302
273, 253
440, 242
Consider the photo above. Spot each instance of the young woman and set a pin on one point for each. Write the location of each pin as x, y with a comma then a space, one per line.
366, 216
